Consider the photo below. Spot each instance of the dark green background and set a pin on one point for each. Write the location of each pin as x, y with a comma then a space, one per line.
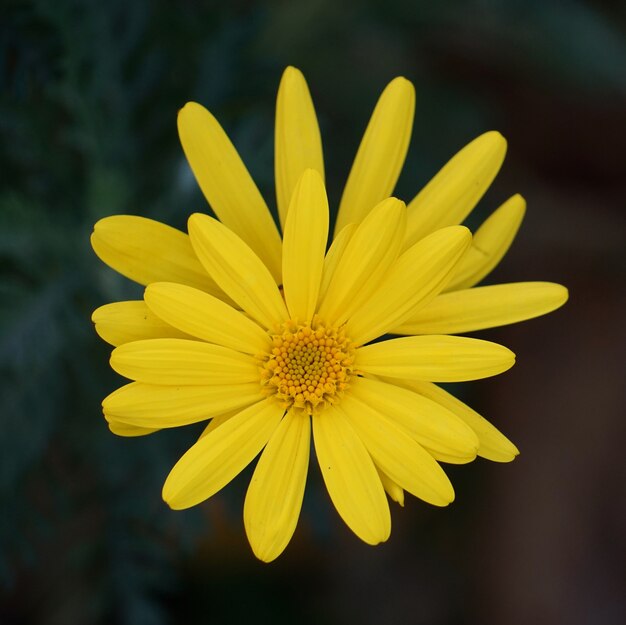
89, 95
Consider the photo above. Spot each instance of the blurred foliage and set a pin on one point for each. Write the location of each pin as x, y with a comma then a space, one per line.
89, 94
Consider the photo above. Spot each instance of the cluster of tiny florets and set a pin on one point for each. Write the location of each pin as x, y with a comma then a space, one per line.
309, 365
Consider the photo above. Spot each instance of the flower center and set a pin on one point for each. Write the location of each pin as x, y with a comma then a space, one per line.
309, 365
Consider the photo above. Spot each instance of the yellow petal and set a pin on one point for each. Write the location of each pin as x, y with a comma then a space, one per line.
391, 488
484, 307
147, 251
218, 457
372, 249
333, 255
351, 477
493, 444
298, 144
397, 454
413, 280
123, 322
184, 362
123, 429
435, 358
490, 244
205, 317
274, 497
306, 232
450, 196
380, 157
237, 269
150, 406
433, 426
227, 185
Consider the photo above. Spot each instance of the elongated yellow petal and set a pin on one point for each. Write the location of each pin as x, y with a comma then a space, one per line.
493, 444
123, 322
380, 157
237, 269
274, 497
397, 454
351, 477
205, 317
147, 251
433, 426
391, 488
227, 185
435, 358
306, 232
184, 362
491, 242
416, 277
123, 429
219, 456
150, 406
297, 140
337, 248
372, 249
450, 196
484, 307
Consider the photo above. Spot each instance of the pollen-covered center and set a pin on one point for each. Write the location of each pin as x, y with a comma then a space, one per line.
309, 365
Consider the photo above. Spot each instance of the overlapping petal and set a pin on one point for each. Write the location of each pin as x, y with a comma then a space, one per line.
380, 156
148, 251
237, 269
484, 307
220, 455
227, 185
351, 477
274, 497
123, 322
306, 232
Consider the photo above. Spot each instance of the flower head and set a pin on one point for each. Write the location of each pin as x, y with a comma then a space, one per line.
274, 340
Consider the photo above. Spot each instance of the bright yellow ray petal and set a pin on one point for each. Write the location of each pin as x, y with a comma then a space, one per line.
381, 154
306, 232
337, 248
123, 429
433, 426
179, 361
351, 477
274, 497
412, 281
491, 242
237, 269
454, 191
484, 307
227, 185
372, 249
149, 406
297, 140
219, 456
493, 444
147, 251
397, 454
123, 322
434, 358
205, 317
391, 488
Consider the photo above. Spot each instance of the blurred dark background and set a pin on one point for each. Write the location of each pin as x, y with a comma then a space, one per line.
89, 95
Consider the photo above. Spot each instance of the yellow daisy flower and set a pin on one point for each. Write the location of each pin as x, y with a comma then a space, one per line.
216, 338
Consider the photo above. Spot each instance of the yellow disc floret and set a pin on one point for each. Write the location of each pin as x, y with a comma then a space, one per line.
309, 365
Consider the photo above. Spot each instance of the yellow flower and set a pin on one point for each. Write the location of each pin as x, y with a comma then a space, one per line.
271, 339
